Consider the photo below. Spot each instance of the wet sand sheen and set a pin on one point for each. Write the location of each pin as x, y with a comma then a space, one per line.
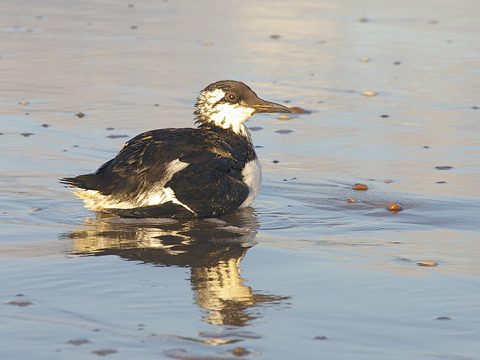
307, 271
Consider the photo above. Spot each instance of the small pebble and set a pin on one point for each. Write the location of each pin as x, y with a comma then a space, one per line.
359, 186
441, 182
388, 181
255, 128
426, 147
104, 352
275, 36
321, 337
19, 303
394, 207
45, 125
134, 27
131, 6
351, 200
428, 263
443, 318
80, 114
283, 117
369, 93
475, 107
364, 19
27, 134
110, 128
283, 132
113, 136
444, 167
27, 113
23, 102
78, 342
384, 116
157, 105
239, 351
275, 161
397, 63
365, 59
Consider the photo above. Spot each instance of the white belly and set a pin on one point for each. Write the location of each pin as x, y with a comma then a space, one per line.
252, 176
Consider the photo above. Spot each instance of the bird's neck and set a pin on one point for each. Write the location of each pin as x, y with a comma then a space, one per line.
238, 130
232, 119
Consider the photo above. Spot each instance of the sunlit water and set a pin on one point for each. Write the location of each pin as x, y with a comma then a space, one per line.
304, 274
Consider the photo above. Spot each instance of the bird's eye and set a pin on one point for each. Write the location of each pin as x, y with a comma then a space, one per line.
231, 97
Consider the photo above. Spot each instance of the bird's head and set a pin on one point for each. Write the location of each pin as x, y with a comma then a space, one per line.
228, 104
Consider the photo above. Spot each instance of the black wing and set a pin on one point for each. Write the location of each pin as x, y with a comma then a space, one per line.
206, 193
210, 185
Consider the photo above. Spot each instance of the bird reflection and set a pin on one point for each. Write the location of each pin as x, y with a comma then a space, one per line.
211, 248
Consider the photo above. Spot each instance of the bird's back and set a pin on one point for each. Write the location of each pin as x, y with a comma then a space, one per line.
164, 159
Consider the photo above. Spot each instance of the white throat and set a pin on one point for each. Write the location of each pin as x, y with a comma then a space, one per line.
224, 115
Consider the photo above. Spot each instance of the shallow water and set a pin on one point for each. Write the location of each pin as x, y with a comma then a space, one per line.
302, 275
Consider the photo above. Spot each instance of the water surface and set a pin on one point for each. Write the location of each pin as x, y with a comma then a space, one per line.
304, 274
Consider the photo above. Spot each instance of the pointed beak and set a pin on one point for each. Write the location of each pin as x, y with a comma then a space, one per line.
262, 106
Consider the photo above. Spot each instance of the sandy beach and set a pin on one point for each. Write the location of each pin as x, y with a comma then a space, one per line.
315, 269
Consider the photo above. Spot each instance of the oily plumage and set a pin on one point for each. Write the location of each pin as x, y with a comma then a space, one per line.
215, 158
190, 172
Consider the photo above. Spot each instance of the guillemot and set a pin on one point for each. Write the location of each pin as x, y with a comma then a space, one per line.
208, 171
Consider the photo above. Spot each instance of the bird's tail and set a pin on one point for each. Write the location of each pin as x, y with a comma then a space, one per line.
82, 181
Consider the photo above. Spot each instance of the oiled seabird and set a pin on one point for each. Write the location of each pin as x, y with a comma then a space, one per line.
211, 170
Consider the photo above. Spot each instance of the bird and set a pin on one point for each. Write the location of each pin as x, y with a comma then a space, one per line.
182, 173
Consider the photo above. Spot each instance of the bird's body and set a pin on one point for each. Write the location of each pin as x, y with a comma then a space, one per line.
207, 171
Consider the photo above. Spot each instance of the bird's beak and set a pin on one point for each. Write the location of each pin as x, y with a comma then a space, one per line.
262, 106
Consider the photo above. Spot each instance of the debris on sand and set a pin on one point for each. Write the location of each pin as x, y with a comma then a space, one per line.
78, 342
444, 167
394, 207
19, 303
80, 114
117, 136
369, 93
104, 352
361, 187
239, 351
427, 263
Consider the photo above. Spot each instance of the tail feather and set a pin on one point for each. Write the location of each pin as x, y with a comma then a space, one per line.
82, 181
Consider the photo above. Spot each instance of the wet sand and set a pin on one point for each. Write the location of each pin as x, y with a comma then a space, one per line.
304, 274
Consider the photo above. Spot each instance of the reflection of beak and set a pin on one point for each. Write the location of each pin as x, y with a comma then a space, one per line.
262, 106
